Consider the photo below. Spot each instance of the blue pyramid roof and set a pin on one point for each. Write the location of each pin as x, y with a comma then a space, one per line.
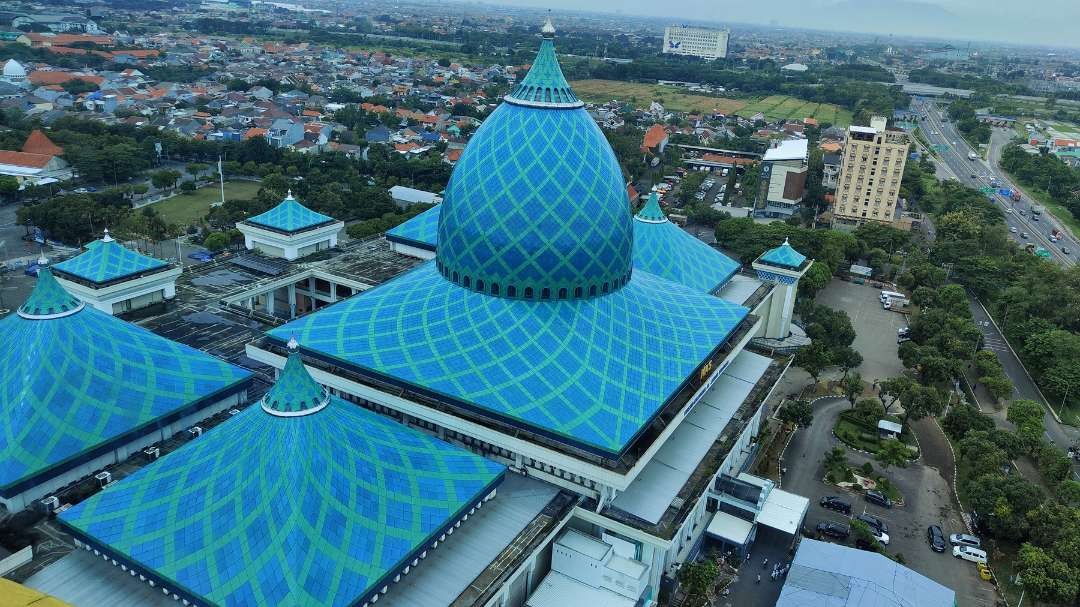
290, 216
588, 372
77, 382
420, 231
537, 201
106, 260
665, 249
545, 85
784, 256
295, 392
319, 509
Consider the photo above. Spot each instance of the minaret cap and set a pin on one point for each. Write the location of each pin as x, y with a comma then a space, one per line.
106, 237
289, 195
42, 260
548, 30
293, 345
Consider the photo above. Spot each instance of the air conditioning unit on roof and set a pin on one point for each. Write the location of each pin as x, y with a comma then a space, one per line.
194, 432
103, 478
152, 453
50, 504
234, 411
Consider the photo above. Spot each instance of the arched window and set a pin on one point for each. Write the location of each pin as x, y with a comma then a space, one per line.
562, 293
455, 278
604, 288
577, 292
511, 291
592, 291
465, 281
528, 292
547, 95
494, 288
545, 293
480, 286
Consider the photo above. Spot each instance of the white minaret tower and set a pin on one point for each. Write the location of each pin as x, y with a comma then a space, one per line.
782, 266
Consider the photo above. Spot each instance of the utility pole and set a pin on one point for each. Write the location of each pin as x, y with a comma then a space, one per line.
221, 179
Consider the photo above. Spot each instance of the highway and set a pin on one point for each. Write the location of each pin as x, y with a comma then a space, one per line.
954, 162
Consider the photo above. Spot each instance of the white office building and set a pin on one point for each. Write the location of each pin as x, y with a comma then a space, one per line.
696, 41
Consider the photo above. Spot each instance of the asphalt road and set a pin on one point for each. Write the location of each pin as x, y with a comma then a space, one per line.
955, 164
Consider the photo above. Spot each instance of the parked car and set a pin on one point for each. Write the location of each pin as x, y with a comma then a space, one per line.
936, 538
969, 554
1024, 235
834, 503
201, 256
1012, 229
1065, 250
877, 497
880, 536
838, 531
873, 522
963, 539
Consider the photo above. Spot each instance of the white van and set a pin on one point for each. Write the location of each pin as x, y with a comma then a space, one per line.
886, 295
969, 554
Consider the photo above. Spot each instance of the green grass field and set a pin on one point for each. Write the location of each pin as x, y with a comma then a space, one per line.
187, 209
777, 107
641, 95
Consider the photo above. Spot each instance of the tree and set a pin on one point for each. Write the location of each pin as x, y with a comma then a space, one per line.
853, 387
999, 386
797, 412
813, 359
165, 179
862, 532
216, 241
1023, 412
698, 579
921, 401
869, 411
846, 358
964, 418
891, 389
892, 452
1047, 578
836, 459
187, 186
9, 186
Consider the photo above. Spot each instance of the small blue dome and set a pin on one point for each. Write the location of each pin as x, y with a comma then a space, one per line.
537, 208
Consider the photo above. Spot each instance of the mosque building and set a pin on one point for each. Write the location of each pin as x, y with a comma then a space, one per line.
561, 401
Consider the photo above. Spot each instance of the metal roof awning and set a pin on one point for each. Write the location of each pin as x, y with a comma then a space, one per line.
559, 590
730, 528
783, 511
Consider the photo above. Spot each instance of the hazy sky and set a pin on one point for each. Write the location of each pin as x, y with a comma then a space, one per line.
1043, 22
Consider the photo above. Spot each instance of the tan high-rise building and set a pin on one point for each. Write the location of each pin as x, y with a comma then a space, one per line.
868, 187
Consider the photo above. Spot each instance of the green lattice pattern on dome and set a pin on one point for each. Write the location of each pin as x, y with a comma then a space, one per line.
48, 298
590, 372
665, 249
545, 84
295, 391
420, 231
321, 509
652, 212
537, 203
106, 260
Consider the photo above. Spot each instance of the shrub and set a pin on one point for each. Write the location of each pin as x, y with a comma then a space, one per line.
868, 468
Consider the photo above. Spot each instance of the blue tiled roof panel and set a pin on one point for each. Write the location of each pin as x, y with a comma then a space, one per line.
269, 511
670, 252
74, 383
290, 216
784, 255
108, 260
420, 231
588, 372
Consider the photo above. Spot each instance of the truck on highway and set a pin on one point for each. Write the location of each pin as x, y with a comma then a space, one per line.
1055, 235
1041, 252
972, 156
1036, 209
1015, 195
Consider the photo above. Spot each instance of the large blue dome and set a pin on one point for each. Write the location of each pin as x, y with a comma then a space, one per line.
536, 208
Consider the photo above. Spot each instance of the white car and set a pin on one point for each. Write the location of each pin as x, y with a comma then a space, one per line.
1012, 229
880, 536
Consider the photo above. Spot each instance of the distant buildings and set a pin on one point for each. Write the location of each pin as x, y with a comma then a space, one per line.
38, 163
290, 231
869, 181
57, 23
783, 179
696, 42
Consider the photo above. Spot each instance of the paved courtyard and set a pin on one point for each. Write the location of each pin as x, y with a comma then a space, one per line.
875, 328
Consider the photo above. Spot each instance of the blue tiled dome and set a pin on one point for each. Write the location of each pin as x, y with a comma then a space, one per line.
536, 208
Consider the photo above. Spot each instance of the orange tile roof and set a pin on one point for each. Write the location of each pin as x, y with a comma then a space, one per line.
22, 159
38, 143
810, 122
830, 146
58, 77
454, 154
654, 136
254, 132
726, 159
405, 147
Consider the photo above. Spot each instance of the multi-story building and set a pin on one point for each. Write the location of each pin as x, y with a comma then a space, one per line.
696, 41
783, 179
868, 188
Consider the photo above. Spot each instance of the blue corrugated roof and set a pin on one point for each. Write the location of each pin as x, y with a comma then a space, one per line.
320, 509
830, 575
784, 256
105, 260
590, 372
420, 231
290, 216
76, 382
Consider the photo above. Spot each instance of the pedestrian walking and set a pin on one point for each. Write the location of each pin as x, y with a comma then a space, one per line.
765, 563
758, 579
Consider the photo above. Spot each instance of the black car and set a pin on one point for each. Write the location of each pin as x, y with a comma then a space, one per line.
838, 531
834, 503
877, 497
874, 522
936, 538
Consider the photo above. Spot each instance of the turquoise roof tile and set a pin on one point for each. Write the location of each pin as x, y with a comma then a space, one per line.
74, 384
290, 216
420, 231
295, 392
106, 260
545, 85
589, 372
664, 249
784, 256
537, 201
651, 212
320, 509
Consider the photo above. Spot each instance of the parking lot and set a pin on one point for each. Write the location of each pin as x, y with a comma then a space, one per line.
875, 328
